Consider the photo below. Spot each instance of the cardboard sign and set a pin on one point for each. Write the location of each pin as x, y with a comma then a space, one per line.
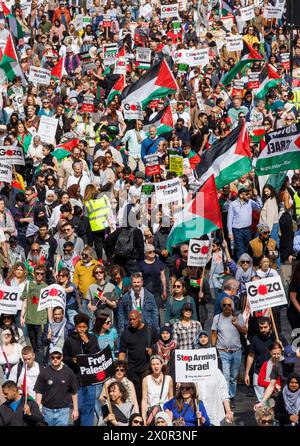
192, 57
176, 164
12, 155
272, 12
169, 11
5, 172
47, 129
133, 111
286, 60
234, 43
151, 160
9, 298
253, 81
168, 191
120, 66
237, 87
97, 368
52, 296
198, 252
106, 23
88, 103
39, 76
247, 13
266, 293
194, 365
110, 52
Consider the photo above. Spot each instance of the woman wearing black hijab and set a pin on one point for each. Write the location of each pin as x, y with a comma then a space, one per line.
287, 405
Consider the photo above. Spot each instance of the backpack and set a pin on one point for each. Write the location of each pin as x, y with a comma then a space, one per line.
124, 246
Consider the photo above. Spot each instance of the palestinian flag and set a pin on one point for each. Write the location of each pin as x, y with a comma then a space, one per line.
58, 71
9, 64
281, 153
116, 89
163, 122
237, 69
269, 78
257, 135
250, 53
228, 159
276, 180
15, 26
197, 218
156, 83
63, 150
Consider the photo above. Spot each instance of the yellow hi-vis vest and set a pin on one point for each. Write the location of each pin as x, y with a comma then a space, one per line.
297, 204
98, 212
296, 99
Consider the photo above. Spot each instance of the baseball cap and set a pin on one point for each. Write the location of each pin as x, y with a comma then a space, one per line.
289, 354
140, 174
55, 350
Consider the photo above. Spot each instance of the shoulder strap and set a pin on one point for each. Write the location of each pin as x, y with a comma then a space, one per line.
162, 389
79, 180
185, 410
6, 359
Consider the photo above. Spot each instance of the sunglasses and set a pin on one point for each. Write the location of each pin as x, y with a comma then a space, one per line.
107, 322
138, 422
189, 310
39, 274
55, 357
185, 388
151, 252
245, 261
67, 251
84, 256
226, 305
177, 286
266, 232
270, 422
119, 370
62, 275
98, 272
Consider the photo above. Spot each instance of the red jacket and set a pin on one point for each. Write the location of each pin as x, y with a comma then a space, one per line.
262, 376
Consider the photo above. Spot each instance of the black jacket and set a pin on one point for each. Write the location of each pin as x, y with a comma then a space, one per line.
281, 413
138, 246
74, 346
10, 418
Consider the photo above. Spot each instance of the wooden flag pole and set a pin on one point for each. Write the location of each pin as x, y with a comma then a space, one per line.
274, 325
108, 399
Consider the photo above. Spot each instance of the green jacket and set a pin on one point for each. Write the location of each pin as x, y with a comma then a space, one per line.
32, 294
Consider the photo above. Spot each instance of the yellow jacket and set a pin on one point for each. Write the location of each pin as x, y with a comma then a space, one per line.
83, 276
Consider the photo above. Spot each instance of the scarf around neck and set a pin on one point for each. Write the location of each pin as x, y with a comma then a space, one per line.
165, 350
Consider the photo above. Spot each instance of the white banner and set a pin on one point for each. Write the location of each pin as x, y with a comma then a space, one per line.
120, 66
52, 296
168, 191
198, 252
12, 155
234, 43
192, 57
5, 172
18, 103
151, 160
47, 129
194, 365
272, 12
39, 76
266, 293
247, 13
133, 111
9, 298
168, 11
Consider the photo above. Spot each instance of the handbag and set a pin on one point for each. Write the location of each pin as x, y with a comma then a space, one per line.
180, 421
155, 409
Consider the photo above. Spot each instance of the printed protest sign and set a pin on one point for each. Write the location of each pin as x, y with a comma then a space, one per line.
169, 11
106, 23
18, 103
194, 365
52, 296
148, 189
266, 293
97, 368
5, 172
234, 43
192, 57
198, 252
285, 60
143, 57
168, 191
110, 53
9, 298
237, 87
152, 165
176, 164
39, 76
47, 129
253, 81
120, 66
272, 12
133, 111
247, 13
12, 155
88, 103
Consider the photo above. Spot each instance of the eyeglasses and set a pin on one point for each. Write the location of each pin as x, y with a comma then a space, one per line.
68, 230
270, 422
289, 119
140, 422
119, 369
53, 357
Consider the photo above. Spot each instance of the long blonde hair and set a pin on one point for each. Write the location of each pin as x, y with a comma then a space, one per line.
89, 193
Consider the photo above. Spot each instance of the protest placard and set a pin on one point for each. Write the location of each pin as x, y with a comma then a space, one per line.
39, 76
97, 368
266, 293
9, 298
5, 172
286, 60
169, 11
192, 57
194, 365
187, 170
52, 296
12, 155
168, 191
234, 43
18, 103
106, 22
272, 12
120, 66
88, 103
176, 164
148, 189
109, 53
237, 87
247, 13
253, 81
198, 252
152, 165
133, 111
47, 129
143, 57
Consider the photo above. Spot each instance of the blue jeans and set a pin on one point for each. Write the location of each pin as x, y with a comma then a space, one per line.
275, 236
259, 391
86, 405
57, 417
231, 363
242, 238
89, 313
98, 388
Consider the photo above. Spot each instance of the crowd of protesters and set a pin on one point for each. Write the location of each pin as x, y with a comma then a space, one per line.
83, 221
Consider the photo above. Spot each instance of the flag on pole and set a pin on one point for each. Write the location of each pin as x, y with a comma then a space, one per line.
15, 26
64, 149
163, 122
9, 64
199, 217
116, 89
58, 71
269, 78
237, 69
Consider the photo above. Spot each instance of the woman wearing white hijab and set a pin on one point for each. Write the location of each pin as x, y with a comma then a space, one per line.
162, 419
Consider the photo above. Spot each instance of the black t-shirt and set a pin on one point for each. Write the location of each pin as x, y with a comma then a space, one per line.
56, 386
281, 370
294, 288
151, 275
135, 342
260, 348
